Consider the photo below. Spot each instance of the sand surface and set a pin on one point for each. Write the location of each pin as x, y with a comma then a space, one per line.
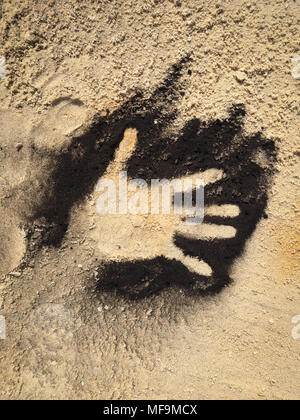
132, 306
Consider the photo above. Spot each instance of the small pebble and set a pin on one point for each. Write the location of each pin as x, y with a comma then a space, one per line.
16, 274
240, 76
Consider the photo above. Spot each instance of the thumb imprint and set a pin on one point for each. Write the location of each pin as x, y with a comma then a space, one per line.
124, 151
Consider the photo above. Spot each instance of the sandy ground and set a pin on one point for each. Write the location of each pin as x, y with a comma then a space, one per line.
65, 336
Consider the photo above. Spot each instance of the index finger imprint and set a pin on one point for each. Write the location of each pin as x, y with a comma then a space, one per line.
210, 176
225, 210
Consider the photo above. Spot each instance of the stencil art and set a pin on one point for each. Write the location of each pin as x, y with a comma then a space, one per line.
141, 138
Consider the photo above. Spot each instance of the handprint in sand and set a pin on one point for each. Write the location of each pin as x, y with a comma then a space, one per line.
147, 139
139, 221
